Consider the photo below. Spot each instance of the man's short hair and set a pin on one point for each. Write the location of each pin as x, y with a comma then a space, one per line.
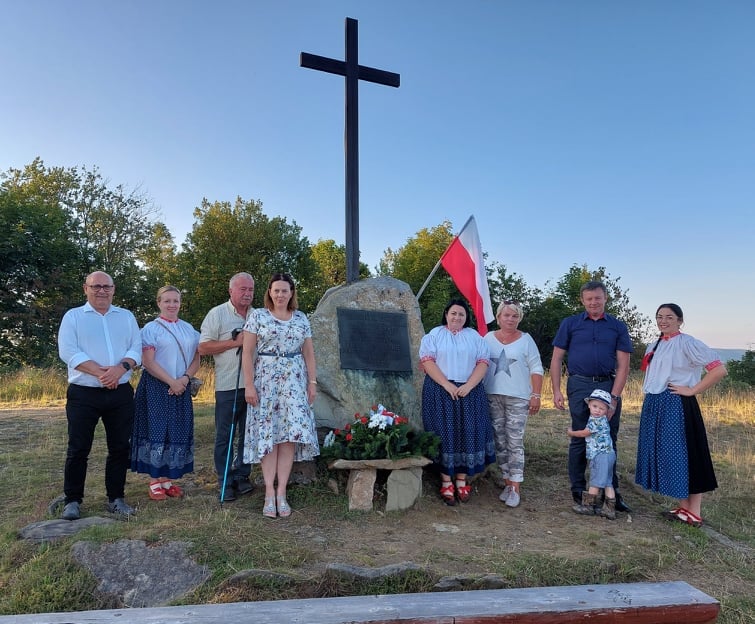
239, 275
593, 285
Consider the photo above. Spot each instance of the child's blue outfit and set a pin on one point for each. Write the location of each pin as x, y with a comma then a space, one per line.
600, 452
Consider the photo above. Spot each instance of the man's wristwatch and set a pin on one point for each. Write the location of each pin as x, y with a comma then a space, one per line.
126, 365
615, 396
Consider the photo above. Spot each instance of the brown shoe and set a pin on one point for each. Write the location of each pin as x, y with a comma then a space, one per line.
609, 509
587, 506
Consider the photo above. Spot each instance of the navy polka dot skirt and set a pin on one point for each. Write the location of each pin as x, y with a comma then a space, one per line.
673, 457
466, 434
162, 444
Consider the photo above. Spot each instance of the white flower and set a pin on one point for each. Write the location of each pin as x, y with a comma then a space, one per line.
329, 439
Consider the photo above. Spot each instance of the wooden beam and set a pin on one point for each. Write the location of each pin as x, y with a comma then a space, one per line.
625, 603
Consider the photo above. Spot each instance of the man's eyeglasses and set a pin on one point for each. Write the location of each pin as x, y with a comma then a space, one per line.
99, 287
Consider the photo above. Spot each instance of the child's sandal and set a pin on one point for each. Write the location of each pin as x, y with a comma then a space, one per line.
447, 493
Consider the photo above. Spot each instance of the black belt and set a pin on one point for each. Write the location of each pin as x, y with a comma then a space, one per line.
594, 378
285, 355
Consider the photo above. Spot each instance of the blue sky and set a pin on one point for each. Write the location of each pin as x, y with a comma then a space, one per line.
609, 133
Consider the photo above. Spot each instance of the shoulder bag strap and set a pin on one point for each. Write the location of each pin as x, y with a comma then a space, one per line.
178, 342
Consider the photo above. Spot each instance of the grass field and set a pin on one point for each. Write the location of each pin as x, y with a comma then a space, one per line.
529, 549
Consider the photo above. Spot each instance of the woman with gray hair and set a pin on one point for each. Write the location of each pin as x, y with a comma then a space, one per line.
513, 383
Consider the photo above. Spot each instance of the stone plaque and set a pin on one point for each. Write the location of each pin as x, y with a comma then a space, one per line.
374, 341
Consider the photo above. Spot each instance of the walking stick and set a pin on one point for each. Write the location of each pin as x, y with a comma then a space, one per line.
230, 437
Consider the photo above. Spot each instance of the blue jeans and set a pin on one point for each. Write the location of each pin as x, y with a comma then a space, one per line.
224, 416
578, 390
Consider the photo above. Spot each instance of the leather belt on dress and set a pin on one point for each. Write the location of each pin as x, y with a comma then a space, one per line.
274, 354
594, 378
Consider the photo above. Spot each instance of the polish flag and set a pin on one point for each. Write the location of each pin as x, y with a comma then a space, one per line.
463, 262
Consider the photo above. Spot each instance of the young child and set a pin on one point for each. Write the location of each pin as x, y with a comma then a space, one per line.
601, 454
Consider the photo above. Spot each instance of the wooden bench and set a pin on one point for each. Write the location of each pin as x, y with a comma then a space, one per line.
646, 603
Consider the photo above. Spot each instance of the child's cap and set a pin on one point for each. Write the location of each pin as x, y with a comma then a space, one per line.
599, 395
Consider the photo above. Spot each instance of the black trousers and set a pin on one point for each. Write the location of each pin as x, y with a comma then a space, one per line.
84, 408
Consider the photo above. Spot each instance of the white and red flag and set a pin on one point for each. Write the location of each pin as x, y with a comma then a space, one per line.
464, 263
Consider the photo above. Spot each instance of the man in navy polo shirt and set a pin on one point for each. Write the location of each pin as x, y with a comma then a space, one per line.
597, 348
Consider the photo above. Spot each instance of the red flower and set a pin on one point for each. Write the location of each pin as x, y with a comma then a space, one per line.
364, 420
337, 432
374, 408
348, 437
348, 428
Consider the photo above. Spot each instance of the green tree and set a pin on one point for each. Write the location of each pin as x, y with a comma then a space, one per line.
564, 298
331, 263
38, 265
113, 228
414, 262
743, 370
228, 238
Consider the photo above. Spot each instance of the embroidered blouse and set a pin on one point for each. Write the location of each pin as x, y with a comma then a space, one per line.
455, 354
679, 360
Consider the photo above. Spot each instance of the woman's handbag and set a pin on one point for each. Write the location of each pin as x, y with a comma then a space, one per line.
195, 383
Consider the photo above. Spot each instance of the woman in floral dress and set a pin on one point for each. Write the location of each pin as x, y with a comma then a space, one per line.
280, 378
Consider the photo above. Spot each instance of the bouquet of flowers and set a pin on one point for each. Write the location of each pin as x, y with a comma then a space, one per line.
381, 434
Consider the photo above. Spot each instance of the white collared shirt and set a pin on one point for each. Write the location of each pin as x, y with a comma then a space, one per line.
106, 339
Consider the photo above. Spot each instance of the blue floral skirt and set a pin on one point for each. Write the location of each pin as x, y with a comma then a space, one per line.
673, 457
463, 425
162, 444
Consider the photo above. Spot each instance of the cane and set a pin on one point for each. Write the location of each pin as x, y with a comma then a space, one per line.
230, 437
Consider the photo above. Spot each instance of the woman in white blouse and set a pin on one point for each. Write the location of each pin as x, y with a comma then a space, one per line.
673, 457
454, 404
162, 443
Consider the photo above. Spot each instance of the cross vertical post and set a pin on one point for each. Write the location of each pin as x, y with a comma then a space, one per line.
353, 72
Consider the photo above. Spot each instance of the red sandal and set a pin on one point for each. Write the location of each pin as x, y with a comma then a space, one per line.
680, 514
156, 491
447, 493
173, 491
463, 491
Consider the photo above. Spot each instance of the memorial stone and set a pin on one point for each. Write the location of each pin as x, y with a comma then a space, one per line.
344, 391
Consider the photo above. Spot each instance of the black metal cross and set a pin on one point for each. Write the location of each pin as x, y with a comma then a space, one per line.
354, 72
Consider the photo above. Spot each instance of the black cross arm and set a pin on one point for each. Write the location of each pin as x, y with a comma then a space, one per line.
333, 66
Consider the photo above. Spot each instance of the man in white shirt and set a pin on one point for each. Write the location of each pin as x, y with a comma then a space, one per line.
100, 343
221, 336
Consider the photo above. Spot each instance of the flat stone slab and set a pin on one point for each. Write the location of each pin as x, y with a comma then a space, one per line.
347, 571
141, 575
379, 464
50, 530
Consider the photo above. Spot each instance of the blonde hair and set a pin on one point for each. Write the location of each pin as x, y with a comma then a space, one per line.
165, 289
514, 305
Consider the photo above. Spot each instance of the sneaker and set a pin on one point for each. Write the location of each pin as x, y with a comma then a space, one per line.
513, 499
504, 496
120, 509
242, 486
72, 511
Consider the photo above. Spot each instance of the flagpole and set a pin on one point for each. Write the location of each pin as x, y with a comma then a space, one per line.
437, 264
